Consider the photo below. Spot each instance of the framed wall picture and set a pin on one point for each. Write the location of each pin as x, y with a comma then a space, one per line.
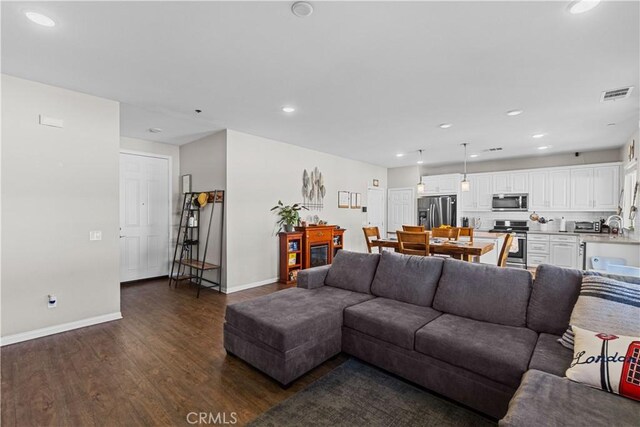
343, 199
356, 200
186, 183
376, 183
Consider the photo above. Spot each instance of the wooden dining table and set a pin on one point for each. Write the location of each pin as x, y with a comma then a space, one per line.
459, 249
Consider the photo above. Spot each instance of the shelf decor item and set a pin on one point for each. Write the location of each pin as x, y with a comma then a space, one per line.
289, 215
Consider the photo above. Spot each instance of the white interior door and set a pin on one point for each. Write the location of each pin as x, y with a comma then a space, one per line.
402, 208
144, 217
375, 209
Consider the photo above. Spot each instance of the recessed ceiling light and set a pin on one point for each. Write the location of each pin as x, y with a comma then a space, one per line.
537, 135
581, 6
473, 155
420, 162
155, 130
301, 9
445, 125
40, 19
543, 147
399, 154
514, 112
288, 109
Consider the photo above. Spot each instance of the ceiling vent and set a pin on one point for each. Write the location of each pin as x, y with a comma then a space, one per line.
612, 95
490, 150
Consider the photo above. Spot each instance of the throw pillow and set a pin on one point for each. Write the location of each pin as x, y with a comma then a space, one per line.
610, 362
605, 304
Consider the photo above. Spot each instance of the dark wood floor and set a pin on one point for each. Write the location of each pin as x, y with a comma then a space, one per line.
163, 360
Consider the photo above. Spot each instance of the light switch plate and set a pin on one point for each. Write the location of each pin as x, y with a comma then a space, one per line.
95, 235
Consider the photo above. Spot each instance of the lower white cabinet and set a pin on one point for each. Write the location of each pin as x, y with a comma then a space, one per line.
554, 249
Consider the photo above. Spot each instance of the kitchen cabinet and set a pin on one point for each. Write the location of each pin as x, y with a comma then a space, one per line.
595, 188
549, 189
510, 182
606, 187
554, 249
441, 184
478, 198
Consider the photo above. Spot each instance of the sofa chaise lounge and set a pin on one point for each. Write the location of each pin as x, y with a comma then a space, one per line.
467, 331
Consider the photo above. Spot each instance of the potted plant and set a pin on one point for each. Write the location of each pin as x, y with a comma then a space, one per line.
289, 215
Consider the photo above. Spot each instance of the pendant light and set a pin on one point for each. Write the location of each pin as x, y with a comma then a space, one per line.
420, 185
465, 185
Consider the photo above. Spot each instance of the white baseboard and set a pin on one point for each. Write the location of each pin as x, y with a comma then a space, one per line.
250, 285
51, 330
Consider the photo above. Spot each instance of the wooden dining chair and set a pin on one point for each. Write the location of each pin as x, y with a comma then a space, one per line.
369, 233
413, 228
466, 232
413, 243
452, 233
504, 252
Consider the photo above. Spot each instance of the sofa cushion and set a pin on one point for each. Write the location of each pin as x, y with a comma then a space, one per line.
411, 279
389, 320
549, 356
498, 352
555, 292
353, 271
605, 305
545, 399
291, 317
476, 290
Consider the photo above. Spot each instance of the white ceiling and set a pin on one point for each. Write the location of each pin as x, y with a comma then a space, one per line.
369, 79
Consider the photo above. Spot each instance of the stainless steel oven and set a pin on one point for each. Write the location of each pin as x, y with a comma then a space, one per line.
510, 202
520, 228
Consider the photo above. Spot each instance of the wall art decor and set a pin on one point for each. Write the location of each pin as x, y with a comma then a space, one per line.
313, 189
343, 199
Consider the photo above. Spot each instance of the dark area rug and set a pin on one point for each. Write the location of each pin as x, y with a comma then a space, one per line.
357, 394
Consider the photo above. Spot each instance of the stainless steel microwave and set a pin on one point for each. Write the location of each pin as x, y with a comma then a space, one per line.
510, 202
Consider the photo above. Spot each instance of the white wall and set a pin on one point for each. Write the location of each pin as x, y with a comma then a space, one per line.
57, 185
408, 176
205, 160
259, 173
531, 162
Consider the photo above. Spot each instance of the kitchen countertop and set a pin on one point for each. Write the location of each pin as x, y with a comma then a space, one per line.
605, 238
562, 233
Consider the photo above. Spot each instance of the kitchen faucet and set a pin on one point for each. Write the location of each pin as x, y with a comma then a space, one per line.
618, 221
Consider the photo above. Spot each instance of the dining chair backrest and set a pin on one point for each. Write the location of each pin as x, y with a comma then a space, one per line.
413, 243
369, 233
504, 252
446, 233
466, 232
414, 228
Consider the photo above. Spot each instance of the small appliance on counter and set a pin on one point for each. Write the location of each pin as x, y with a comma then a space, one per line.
587, 227
465, 221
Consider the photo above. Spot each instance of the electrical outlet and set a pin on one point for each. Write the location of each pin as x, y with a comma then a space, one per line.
95, 235
52, 301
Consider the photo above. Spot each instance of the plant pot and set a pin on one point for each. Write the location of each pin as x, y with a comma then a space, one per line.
288, 228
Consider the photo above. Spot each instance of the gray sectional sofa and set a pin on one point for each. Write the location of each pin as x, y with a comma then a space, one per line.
467, 331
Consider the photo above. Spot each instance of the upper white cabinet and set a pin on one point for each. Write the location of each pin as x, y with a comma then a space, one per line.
549, 189
510, 182
606, 187
441, 184
595, 188
479, 197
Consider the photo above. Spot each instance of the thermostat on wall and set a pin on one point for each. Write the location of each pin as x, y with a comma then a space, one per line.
51, 121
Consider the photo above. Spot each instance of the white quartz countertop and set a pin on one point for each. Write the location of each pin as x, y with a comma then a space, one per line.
609, 239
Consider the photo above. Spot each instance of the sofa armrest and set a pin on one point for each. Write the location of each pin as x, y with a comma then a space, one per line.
312, 278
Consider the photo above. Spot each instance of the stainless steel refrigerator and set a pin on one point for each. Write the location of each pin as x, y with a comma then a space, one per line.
435, 211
